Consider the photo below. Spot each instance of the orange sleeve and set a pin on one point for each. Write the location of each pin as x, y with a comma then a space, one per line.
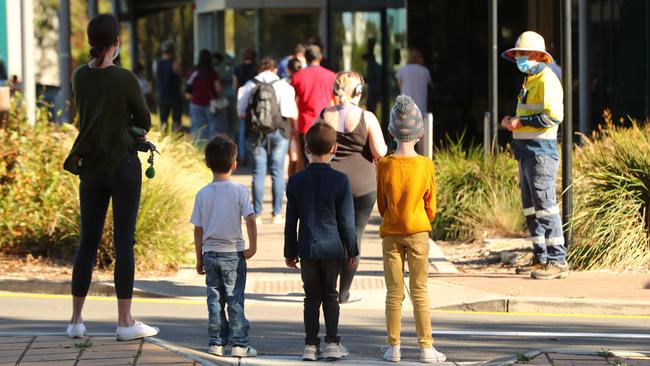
381, 199
430, 195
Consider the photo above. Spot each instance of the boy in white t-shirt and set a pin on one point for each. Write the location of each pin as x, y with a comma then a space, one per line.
220, 248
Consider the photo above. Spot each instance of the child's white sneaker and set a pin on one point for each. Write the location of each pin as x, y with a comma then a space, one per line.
136, 331
431, 355
216, 350
76, 330
344, 351
311, 353
332, 351
392, 353
247, 351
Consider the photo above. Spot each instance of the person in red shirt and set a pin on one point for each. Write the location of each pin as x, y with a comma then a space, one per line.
203, 85
313, 86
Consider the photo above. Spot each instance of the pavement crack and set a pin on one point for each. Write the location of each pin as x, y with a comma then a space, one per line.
136, 357
25, 351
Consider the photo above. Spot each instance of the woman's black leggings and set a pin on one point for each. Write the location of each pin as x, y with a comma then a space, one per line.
95, 190
362, 209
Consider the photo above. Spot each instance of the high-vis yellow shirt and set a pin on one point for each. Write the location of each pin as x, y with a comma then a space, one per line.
540, 108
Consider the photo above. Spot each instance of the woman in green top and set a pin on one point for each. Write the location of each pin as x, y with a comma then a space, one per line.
108, 100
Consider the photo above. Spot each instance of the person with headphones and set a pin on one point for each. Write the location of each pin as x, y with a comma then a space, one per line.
360, 142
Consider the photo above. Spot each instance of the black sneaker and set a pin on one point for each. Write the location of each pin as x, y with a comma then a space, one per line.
527, 269
552, 271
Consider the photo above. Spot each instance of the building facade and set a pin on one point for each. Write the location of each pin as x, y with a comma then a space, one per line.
362, 35
611, 47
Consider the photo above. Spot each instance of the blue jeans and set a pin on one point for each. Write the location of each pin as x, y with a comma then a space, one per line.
268, 152
537, 176
225, 277
204, 123
241, 139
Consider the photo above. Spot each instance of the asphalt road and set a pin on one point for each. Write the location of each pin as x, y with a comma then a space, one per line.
276, 328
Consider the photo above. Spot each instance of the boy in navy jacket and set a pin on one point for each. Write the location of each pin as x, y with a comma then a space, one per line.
321, 199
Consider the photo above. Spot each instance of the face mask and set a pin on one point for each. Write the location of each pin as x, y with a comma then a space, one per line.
527, 66
117, 53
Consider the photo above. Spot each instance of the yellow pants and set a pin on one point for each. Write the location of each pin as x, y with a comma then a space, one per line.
415, 249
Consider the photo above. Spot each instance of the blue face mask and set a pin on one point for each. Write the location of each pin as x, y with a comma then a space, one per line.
528, 66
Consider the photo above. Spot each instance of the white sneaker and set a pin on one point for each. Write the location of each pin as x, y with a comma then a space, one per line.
431, 355
247, 351
392, 353
278, 220
311, 353
76, 330
344, 351
332, 352
216, 350
258, 220
136, 331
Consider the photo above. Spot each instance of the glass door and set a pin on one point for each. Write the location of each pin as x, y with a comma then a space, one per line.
372, 43
357, 47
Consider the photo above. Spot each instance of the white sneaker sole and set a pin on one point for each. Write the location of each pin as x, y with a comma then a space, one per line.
434, 360
332, 356
150, 333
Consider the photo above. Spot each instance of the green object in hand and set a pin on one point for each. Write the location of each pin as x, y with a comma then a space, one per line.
150, 172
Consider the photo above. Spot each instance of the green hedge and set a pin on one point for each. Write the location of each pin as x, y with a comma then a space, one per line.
476, 198
39, 209
612, 199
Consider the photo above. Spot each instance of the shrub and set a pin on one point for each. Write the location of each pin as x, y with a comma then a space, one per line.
612, 195
476, 198
39, 209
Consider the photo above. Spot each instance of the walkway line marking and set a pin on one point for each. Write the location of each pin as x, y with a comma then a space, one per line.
544, 334
550, 315
176, 301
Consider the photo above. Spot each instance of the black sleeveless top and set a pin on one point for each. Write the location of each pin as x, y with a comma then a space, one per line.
354, 158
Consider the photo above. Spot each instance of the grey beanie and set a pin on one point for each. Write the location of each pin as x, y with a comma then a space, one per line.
406, 122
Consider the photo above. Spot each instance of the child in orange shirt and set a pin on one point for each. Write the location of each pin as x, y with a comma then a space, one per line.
406, 196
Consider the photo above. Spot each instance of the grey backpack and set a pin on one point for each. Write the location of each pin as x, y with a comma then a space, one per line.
263, 113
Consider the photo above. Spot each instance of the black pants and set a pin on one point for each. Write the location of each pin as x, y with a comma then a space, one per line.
176, 110
95, 191
362, 209
319, 281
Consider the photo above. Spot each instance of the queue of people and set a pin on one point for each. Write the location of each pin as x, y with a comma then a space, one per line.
328, 202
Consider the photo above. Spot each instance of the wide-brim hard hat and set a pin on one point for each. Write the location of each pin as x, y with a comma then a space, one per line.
528, 41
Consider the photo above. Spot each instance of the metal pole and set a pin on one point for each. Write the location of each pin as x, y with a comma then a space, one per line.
115, 5
486, 136
584, 85
494, 72
64, 61
29, 82
567, 127
93, 10
133, 31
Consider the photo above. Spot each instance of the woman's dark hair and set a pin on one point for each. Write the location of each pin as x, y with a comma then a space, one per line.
103, 31
249, 55
294, 65
204, 66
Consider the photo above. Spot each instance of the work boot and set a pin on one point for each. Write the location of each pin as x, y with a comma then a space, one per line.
552, 271
527, 269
